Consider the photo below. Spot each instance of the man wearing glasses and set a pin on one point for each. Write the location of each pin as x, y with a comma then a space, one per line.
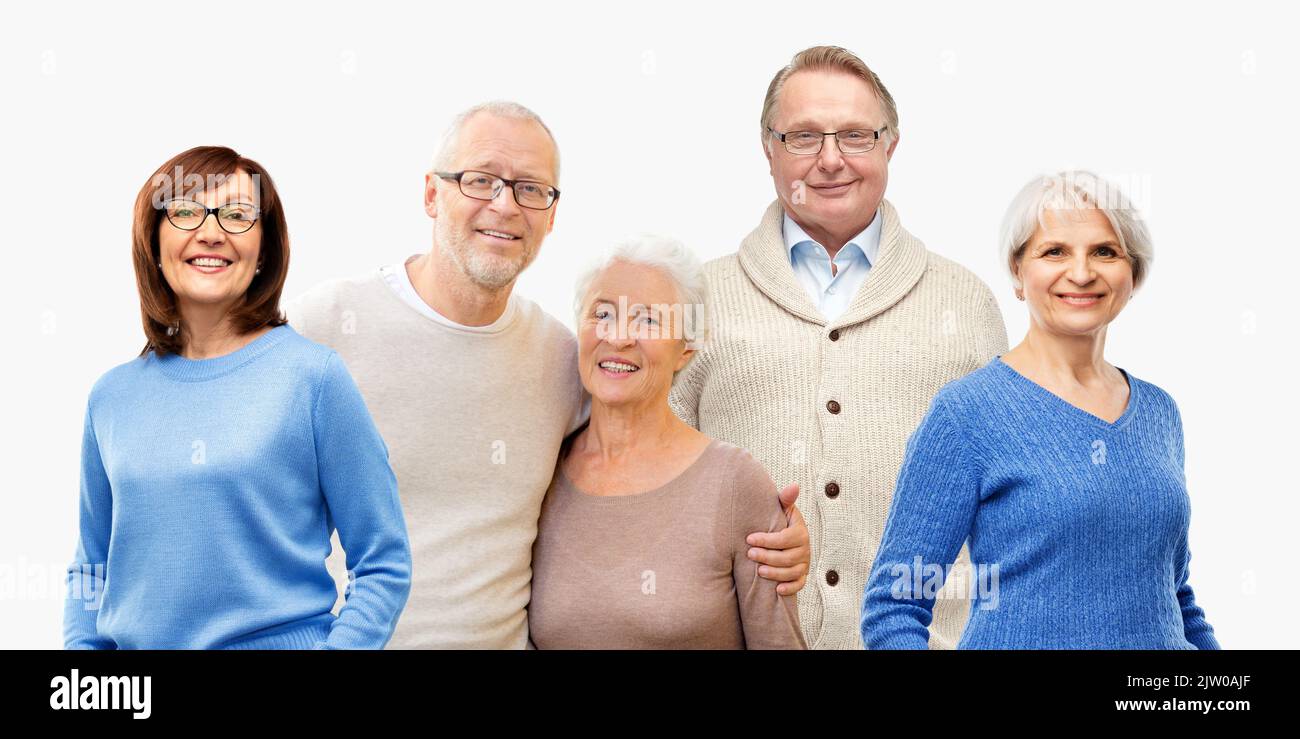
472, 387
833, 329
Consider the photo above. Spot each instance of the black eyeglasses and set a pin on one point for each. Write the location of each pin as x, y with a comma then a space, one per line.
187, 215
486, 186
851, 141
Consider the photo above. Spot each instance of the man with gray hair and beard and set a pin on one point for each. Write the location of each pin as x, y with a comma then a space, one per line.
473, 387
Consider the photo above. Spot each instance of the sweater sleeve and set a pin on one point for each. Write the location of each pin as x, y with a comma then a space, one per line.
684, 398
87, 575
769, 620
1195, 627
930, 517
361, 491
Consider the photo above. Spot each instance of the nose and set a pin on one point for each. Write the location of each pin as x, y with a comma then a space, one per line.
504, 202
210, 231
1081, 271
829, 158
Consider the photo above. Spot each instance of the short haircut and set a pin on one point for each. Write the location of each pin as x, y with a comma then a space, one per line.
503, 108
829, 59
1076, 189
261, 304
678, 263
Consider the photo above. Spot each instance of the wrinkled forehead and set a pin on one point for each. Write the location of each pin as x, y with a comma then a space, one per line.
210, 188
827, 101
513, 148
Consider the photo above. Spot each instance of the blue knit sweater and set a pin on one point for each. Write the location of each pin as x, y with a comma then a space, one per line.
1077, 527
209, 490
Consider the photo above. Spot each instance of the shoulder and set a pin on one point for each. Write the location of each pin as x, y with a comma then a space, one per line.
725, 267
748, 478
1156, 397
119, 379
540, 322
331, 298
952, 278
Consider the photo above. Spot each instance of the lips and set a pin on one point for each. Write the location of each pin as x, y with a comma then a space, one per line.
1083, 300
618, 367
209, 263
495, 234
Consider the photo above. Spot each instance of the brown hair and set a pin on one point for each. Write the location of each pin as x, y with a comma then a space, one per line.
829, 59
163, 330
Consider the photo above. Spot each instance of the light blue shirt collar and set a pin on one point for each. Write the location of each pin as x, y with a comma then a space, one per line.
832, 294
865, 244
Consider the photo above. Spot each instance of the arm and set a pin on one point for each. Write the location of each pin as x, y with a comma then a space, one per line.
784, 555
769, 619
361, 492
87, 575
930, 517
1195, 628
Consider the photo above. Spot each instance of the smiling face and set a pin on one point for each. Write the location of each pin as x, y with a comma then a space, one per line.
491, 242
207, 266
831, 195
1074, 275
629, 341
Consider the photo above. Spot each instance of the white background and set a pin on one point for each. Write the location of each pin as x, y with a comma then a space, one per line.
1192, 107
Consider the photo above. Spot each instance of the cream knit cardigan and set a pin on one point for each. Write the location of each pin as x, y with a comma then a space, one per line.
769, 369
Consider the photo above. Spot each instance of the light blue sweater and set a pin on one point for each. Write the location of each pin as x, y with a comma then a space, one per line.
209, 490
1077, 527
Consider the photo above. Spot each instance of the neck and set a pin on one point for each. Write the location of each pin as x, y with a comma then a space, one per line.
630, 429
447, 290
1077, 358
209, 332
834, 239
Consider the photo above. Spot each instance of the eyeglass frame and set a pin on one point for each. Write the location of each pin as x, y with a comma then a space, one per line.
456, 177
257, 215
838, 144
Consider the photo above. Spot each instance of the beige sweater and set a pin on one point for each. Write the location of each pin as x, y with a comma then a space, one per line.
831, 406
473, 420
662, 569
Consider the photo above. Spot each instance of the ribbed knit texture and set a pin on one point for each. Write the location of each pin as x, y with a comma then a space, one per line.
474, 420
209, 490
769, 368
1086, 522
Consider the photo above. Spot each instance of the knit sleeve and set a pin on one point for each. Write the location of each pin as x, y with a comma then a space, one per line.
684, 398
769, 620
361, 491
1196, 629
930, 517
991, 338
87, 575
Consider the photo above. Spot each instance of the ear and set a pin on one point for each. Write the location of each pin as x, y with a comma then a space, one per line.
550, 222
893, 144
431, 182
765, 141
684, 359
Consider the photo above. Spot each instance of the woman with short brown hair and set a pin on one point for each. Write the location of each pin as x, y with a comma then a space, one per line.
217, 464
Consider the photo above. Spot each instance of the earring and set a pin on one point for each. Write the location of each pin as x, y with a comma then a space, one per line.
258, 271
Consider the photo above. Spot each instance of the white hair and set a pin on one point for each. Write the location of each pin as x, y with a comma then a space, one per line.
682, 268
1075, 190
502, 108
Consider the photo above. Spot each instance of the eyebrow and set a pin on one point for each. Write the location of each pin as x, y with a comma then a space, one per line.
1093, 246
489, 166
806, 125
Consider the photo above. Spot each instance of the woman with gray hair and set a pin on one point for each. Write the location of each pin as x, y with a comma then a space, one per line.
1064, 471
641, 539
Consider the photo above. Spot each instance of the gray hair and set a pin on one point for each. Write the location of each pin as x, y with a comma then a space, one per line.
828, 59
1076, 189
502, 108
678, 264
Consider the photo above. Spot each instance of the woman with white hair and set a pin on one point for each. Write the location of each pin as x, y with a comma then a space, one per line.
1065, 472
641, 539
